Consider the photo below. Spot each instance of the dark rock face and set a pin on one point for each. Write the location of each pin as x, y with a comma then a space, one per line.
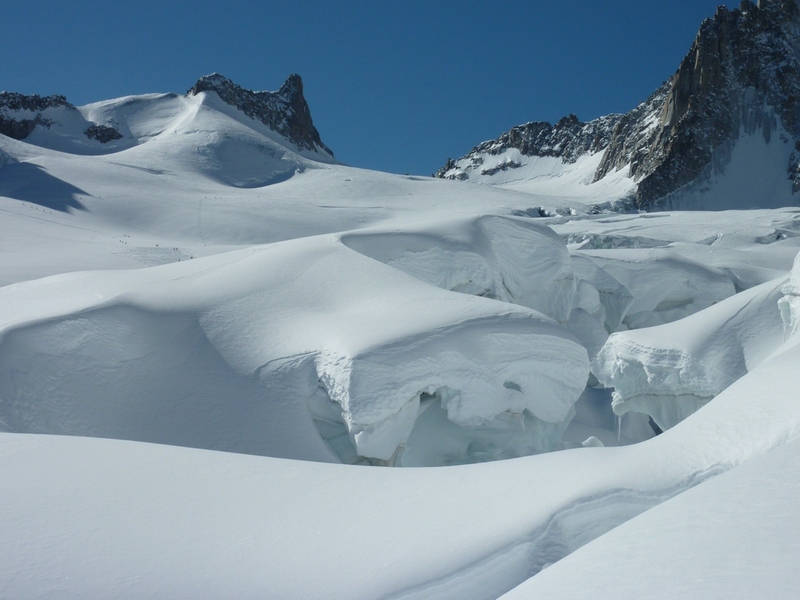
102, 133
742, 74
19, 128
34, 103
569, 139
285, 111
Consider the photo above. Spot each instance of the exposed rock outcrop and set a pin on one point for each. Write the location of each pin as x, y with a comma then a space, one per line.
286, 111
568, 139
103, 133
20, 114
741, 75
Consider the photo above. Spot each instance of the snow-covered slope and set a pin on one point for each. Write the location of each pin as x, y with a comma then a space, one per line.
215, 280
83, 516
245, 350
735, 536
669, 371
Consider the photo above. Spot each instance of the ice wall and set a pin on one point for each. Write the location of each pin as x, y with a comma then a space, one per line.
511, 259
790, 303
248, 350
670, 371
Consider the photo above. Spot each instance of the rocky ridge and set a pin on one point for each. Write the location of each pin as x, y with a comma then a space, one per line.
286, 111
11, 104
741, 75
21, 114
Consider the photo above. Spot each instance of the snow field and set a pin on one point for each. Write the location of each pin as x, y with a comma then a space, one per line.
157, 525
734, 536
314, 311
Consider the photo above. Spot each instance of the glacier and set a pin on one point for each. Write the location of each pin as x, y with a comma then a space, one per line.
669, 371
217, 342
264, 328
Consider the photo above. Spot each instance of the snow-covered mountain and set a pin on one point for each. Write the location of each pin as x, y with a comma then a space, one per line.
286, 111
207, 322
107, 127
722, 132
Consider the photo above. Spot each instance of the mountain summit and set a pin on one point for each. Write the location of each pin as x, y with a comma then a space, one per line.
285, 111
107, 126
735, 99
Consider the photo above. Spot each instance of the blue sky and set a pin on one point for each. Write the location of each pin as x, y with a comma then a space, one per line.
394, 86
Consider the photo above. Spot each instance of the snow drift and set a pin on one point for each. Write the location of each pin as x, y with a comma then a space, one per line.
790, 304
669, 371
243, 351
510, 259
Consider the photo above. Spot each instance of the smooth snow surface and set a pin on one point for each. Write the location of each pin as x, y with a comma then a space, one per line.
196, 317
736, 536
174, 521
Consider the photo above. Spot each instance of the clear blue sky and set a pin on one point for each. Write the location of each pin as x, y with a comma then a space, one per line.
395, 86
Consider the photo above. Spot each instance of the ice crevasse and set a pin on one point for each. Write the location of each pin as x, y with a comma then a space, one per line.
790, 303
262, 344
670, 371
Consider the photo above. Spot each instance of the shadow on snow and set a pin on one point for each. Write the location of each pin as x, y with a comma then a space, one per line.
31, 183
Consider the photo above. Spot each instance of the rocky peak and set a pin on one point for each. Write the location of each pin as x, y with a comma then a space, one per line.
19, 126
742, 74
286, 111
568, 139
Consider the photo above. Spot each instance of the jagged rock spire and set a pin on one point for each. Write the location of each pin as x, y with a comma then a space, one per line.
285, 111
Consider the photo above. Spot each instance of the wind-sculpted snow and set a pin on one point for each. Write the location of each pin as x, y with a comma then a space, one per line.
282, 333
222, 524
790, 304
511, 259
664, 285
670, 371
743, 524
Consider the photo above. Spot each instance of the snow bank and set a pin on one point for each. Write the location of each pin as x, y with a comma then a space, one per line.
701, 544
734, 536
664, 285
247, 350
511, 259
669, 371
85, 517
790, 304
478, 371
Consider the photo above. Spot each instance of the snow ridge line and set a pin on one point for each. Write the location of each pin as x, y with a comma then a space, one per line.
567, 530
